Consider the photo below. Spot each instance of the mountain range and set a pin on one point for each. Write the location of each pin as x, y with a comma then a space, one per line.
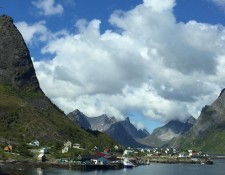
124, 132
162, 136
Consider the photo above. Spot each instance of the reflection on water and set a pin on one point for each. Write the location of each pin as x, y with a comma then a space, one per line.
156, 169
39, 171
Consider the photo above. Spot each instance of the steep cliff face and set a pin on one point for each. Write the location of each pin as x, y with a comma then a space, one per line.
208, 133
25, 112
16, 67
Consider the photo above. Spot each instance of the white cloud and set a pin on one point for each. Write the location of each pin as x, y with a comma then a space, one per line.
160, 6
33, 33
48, 7
153, 64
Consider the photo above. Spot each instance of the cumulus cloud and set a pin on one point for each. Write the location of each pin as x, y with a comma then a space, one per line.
48, 7
152, 64
33, 33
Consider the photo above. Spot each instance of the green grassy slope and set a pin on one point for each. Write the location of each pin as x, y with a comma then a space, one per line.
27, 115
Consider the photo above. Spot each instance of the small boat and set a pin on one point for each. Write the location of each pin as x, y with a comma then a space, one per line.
127, 164
207, 161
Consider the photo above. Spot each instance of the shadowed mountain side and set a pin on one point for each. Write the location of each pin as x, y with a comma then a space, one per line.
119, 133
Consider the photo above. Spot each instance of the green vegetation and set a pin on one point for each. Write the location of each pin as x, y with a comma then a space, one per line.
26, 115
212, 142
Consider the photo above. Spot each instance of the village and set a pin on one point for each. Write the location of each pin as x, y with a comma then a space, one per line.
72, 155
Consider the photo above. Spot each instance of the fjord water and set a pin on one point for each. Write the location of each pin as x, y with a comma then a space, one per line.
154, 169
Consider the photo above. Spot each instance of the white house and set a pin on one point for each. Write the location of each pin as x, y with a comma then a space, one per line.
44, 150
183, 155
76, 146
101, 161
34, 143
127, 152
68, 144
65, 149
116, 147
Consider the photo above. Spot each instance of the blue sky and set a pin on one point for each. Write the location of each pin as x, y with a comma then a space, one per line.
151, 60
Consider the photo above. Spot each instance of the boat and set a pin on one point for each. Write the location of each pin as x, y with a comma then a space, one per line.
127, 164
206, 161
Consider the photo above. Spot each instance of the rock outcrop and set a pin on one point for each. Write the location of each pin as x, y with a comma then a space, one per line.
16, 66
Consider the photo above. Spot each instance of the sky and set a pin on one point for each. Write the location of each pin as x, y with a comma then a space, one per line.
151, 60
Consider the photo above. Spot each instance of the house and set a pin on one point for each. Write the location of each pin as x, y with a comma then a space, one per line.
183, 155
100, 161
65, 150
76, 146
68, 144
44, 150
193, 153
142, 150
8, 148
100, 154
34, 143
42, 157
116, 147
127, 152
148, 150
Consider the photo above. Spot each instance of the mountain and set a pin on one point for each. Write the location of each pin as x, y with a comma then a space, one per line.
16, 67
78, 117
25, 112
120, 135
123, 132
163, 135
208, 132
132, 130
101, 123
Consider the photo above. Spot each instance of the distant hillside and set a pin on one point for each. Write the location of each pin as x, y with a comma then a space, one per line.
208, 133
123, 132
25, 112
162, 136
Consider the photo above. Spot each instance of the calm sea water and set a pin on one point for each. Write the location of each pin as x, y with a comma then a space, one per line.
154, 169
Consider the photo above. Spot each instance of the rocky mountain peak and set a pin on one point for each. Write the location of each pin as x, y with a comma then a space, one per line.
113, 119
222, 92
191, 120
77, 112
16, 66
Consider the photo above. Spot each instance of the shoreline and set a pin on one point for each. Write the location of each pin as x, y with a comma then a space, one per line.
15, 167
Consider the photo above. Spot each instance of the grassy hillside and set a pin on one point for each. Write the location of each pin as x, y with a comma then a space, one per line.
212, 142
26, 115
